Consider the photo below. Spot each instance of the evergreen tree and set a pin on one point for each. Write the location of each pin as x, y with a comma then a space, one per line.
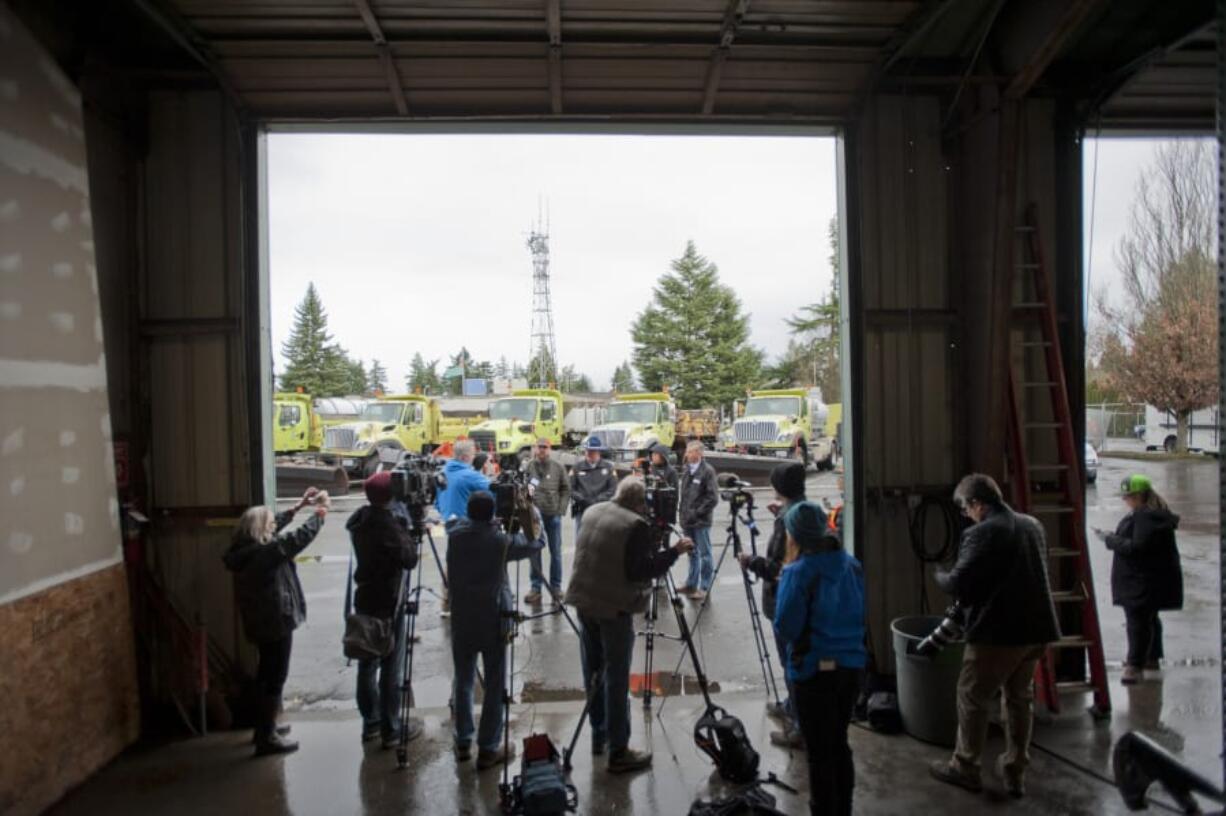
356, 382
814, 359
376, 378
423, 377
543, 369
623, 378
312, 361
694, 337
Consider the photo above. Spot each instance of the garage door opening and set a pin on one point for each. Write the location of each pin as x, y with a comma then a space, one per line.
407, 310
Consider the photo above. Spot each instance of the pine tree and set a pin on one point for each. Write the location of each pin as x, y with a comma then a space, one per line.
814, 359
694, 337
623, 378
312, 361
356, 382
376, 377
423, 377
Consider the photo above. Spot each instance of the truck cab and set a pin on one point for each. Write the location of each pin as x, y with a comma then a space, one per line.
386, 428
517, 421
786, 423
635, 422
296, 428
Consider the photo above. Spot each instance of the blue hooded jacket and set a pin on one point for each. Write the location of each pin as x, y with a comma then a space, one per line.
819, 612
462, 481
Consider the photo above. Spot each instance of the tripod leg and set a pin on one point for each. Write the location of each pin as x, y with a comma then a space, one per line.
406, 685
442, 573
650, 650
595, 686
759, 639
703, 606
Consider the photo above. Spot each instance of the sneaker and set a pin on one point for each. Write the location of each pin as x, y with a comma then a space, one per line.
282, 730
628, 760
1153, 665
698, 596
463, 751
533, 598
488, 759
944, 770
1132, 675
370, 731
687, 590
788, 738
275, 744
416, 726
1015, 786
779, 711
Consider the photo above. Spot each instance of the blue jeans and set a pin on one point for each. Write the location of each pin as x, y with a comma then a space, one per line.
578, 522
379, 686
489, 736
608, 646
553, 534
702, 564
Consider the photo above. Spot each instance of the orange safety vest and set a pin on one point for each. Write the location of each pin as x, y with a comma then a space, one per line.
832, 520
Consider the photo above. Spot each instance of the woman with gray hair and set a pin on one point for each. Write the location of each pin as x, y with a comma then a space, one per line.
271, 602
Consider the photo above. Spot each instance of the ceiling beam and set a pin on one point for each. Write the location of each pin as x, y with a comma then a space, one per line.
553, 18
1070, 20
185, 37
385, 56
733, 14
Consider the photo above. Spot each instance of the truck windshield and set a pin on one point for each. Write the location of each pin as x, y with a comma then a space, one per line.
382, 412
637, 412
513, 409
776, 406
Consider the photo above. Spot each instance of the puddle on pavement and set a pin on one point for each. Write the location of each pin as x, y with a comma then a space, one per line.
665, 684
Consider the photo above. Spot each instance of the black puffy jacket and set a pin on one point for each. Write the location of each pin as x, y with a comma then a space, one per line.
1145, 571
384, 550
270, 598
769, 566
1000, 579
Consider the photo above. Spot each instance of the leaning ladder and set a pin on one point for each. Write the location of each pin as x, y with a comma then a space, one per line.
1052, 491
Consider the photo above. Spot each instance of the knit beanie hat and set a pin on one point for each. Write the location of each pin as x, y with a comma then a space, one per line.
789, 480
379, 488
806, 522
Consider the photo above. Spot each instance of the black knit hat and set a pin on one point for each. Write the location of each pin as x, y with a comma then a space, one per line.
481, 505
789, 480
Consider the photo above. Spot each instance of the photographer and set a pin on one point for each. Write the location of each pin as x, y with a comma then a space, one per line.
819, 614
615, 562
789, 483
271, 602
661, 468
477, 554
699, 496
593, 480
551, 495
1000, 581
385, 552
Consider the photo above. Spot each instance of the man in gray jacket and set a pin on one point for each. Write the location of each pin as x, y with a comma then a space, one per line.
615, 562
592, 481
696, 506
551, 494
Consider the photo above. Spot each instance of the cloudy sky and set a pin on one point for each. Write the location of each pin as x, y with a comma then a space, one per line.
417, 243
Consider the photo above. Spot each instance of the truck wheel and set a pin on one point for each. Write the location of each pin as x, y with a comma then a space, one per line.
1168, 444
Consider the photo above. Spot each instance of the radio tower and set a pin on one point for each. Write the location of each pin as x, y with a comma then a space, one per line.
543, 357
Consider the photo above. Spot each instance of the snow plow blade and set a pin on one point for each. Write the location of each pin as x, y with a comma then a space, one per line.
295, 477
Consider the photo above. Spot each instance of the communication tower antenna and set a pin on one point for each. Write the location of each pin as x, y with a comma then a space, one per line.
543, 354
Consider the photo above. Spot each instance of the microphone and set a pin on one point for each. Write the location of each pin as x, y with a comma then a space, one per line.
730, 481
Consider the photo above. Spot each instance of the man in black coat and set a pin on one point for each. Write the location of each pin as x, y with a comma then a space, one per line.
696, 507
1000, 582
592, 481
385, 552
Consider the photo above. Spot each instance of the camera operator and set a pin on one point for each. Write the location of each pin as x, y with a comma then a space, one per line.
384, 551
819, 614
593, 480
789, 483
477, 554
661, 467
699, 496
615, 562
550, 494
271, 602
1000, 579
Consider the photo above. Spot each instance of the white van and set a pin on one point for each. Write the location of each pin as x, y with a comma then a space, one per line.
1160, 429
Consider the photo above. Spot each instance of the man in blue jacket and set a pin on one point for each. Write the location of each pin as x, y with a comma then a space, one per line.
819, 614
462, 481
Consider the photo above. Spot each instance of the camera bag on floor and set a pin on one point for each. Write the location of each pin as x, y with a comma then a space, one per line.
753, 801
722, 737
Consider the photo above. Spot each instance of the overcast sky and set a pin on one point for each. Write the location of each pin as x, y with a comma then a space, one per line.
417, 243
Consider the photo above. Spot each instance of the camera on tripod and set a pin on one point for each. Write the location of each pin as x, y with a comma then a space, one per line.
513, 499
950, 629
661, 500
416, 481
735, 491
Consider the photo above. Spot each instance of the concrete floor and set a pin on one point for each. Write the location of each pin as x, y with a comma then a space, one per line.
334, 774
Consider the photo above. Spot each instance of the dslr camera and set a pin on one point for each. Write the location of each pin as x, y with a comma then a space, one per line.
951, 628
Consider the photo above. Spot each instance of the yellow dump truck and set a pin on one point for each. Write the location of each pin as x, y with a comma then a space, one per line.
387, 427
635, 422
517, 421
785, 423
296, 427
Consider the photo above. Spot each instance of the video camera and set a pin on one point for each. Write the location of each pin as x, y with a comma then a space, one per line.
513, 499
416, 481
735, 491
661, 500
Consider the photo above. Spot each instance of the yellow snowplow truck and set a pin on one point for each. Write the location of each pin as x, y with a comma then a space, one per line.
387, 427
517, 421
296, 428
785, 423
635, 422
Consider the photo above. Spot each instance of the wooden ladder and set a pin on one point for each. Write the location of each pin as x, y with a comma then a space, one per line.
1052, 489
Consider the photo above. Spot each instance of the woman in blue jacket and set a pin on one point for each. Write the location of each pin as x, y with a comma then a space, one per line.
819, 614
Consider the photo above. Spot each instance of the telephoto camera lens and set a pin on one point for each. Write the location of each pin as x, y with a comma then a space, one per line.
947, 631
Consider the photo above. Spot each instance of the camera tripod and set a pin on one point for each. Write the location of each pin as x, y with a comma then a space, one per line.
409, 607
740, 499
649, 633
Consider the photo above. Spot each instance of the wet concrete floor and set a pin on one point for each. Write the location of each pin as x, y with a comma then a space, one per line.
334, 774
